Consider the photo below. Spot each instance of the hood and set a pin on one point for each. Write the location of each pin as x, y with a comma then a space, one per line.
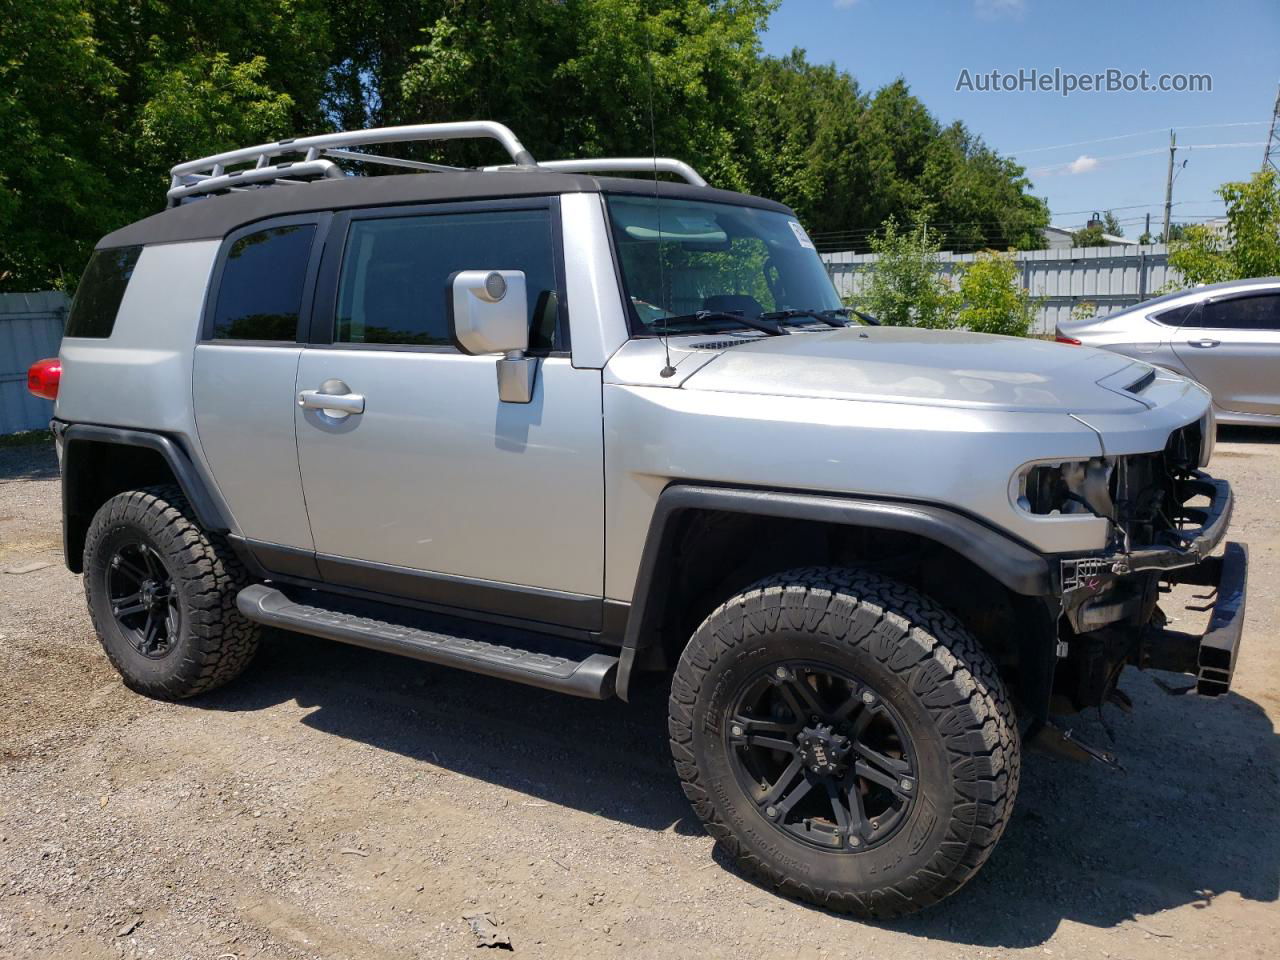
934, 367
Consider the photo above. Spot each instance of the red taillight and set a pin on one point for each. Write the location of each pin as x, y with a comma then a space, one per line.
1071, 340
43, 377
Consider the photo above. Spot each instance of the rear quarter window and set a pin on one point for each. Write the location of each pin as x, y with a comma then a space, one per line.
263, 282
97, 300
1175, 317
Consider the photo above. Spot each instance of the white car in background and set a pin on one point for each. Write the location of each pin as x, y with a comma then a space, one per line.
1225, 335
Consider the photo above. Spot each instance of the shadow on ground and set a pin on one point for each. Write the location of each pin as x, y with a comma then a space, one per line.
1192, 818
30, 461
1228, 433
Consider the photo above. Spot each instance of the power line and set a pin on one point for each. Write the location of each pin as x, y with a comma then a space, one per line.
1138, 133
1143, 153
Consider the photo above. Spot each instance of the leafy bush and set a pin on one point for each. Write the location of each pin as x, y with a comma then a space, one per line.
908, 287
1084, 310
993, 300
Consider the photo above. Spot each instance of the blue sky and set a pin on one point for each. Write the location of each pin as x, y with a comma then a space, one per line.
929, 42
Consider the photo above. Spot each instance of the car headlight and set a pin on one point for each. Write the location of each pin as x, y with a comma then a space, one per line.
1065, 487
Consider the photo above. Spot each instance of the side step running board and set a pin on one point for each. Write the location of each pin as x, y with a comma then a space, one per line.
592, 677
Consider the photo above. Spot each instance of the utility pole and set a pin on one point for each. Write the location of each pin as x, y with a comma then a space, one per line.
1168, 186
1147, 232
1271, 155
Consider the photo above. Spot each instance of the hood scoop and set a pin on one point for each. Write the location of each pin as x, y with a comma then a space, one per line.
1142, 382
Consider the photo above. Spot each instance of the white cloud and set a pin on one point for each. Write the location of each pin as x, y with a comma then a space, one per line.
1000, 9
847, 3
1082, 164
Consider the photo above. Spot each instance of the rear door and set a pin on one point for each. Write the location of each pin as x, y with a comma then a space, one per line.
1232, 346
243, 382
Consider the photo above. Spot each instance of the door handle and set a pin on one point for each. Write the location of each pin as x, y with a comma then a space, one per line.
333, 399
1204, 343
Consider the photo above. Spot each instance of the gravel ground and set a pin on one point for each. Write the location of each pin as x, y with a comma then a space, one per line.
336, 802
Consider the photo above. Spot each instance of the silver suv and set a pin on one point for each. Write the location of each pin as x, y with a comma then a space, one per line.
562, 428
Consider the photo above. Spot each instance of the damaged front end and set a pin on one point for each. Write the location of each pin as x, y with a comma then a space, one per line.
1166, 519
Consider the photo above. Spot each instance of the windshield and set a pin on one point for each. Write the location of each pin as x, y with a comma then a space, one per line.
681, 257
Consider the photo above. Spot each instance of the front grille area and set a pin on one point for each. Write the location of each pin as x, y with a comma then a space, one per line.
1156, 495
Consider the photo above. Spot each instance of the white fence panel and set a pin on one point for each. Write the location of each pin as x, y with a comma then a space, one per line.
30, 329
1110, 278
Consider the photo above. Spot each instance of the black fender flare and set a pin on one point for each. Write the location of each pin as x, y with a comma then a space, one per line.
209, 507
1012, 563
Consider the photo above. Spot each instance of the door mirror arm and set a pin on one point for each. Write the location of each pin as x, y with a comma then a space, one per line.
517, 375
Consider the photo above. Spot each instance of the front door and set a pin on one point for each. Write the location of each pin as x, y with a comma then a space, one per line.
436, 490
1232, 346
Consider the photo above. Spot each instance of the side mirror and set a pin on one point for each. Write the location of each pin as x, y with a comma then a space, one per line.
489, 313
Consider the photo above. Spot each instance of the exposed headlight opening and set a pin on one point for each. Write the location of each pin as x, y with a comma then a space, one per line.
1067, 487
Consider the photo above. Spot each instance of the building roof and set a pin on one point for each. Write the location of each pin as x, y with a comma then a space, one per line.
215, 216
1111, 238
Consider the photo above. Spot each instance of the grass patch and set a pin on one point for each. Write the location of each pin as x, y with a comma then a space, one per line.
26, 438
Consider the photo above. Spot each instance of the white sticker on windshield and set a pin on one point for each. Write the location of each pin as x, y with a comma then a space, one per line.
800, 234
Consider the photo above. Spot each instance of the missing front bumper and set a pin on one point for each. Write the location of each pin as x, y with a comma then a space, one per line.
1210, 657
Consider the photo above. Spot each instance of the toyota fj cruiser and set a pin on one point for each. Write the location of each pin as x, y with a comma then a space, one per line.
559, 428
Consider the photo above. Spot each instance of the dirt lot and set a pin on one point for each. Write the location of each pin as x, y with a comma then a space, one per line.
336, 802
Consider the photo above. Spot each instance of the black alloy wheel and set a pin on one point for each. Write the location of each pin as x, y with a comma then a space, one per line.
143, 599
825, 759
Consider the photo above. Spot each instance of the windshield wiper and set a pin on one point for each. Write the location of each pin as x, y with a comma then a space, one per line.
756, 323
829, 317
865, 317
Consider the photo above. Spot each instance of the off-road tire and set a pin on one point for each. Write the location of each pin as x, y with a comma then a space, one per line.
214, 642
925, 664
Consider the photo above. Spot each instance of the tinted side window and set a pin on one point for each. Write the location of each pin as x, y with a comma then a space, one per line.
260, 293
1175, 317
1244, 313
93, 312
395, 273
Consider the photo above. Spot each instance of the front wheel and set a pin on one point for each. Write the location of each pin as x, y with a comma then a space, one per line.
846, 740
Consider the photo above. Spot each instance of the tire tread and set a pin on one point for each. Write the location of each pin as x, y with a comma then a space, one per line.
941, 662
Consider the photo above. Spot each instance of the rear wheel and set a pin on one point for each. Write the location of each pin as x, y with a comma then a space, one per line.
161, 593
846, 740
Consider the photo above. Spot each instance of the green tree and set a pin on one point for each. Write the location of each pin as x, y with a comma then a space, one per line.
100, 97
908, 287
1095, 234
847, 160
55, 87
1090, 236
993, 299
142, 84
1250, 245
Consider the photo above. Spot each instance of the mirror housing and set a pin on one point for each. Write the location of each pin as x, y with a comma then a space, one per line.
489, 313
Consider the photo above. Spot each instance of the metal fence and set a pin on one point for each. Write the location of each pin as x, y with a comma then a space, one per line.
1108, 277
30, 329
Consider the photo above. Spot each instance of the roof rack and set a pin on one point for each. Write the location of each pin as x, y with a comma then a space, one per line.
620, 165
210, 174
